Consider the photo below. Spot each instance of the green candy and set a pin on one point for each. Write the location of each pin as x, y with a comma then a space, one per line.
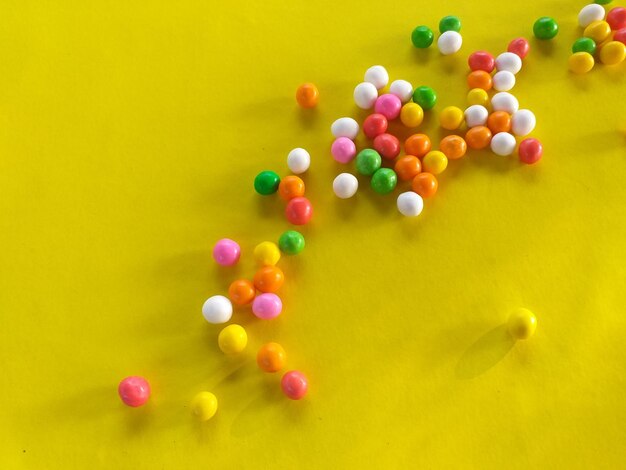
584, 45
368, 161
266, 182
450, 23
425, 96
384, 180
545, 28
291, 242
422, 37
603, 2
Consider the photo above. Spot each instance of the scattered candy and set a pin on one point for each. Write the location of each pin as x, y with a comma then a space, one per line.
476, 115
598, 31
451, 118
509, 61
504, 101
422, 37
307, 95
453, 147
345, 185
519, 46
204, 406
384, 180
266, 182
267, 306
479, 79
449, 23
522, 324
298, 160
499, 121
232, 339
388, 105
345, 127
365, 95
374, 125
477, 96
616, 18
269, 279
523, 122
425, 184
435, 162
503, 80
425, 96
417, 144
410, 204
449, 42
299, 211
266, 254
343, 150
620, 35
217, 309
545, 28
368, 161
407, 167
226, 252
377, 75
589, 14
134, 391
241, 292
271, 357
584, 45
290, 187
402, 89
478, 137
530, 151
581, 62
291, 242
411, 115
613, 52
294, 384
481, 60
387, 145
503, 144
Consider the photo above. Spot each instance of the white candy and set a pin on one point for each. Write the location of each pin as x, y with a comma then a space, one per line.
589, 14
504, 101
476, 115
410, 204
217, 309
365, 95
503, 80
523, 122
377, 76
449, 42
402, 89
345, 127
345, 185
509, 61
298, 161
503, 144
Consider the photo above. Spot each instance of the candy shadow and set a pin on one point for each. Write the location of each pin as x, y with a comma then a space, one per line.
486, 160
307, 117
485, 353
546, 47
421, 56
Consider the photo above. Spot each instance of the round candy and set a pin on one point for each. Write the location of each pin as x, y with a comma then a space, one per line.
343, 150
241, 292
267, 306
377, 75
503, 144
345, 127
530, 151
384, 180
422, 37
620, 35
519, 46
368, 161
269, 279
266, 182
290, 187
425, 184
451, 118
298, 160
345, 185
435, 162
581, 62
503, 80
299, 211
545, 28
522, 324
449, 23
478, 137
232, 339
266, 254
411, 115
523, 122
613, 52
589, 14
374, 124
204, 406
217, 309
499, 121
509, 61
307, 95
387, 145
291, 242
294, 384
388, 105
481, 60
616, 18
584, 45
425, 96
134, 391
479, 79
598, 31
476, 115
365, 95
271, 357
477, 96
603, 2
402, 89
504, 101
417, 144
408, 167
226, 252
449, 42
410, 204
453, 147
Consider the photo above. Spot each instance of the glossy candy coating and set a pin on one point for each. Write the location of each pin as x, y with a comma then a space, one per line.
476, 115
226, 252
368, 161
271, 357
519, 46
590, 13
389, 105
620, 35
299, 211
294, 384
266, 254
499, 121
217, 309
422, 37
425, 96
134, 391
584, 45
449, 42
233, 339
365, 95
204, 406
451, 118
402, 89
345, 127
581, 62
530, 151
291, 242
616, 18
481, 60
345, 185
503, 144
387, 145
434, 162
290, 186
523, 122
598, 31
343, 150
377, 75
407, 167
453, 147
478, 137
503, 80
411, 114
307, 95
522, 324
479, 79
504, 101
269, 279
374, 125
241, 292
477, 96
417, 144
425, 184
384, 180
266, 182
509, 61
267, 306
613, 52
410, 204
545, 28
298, 161
449, 23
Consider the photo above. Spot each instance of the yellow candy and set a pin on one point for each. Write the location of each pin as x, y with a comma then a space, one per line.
612, 53
232, 339
478, 96
266, 254
434, 162
598, 31
581, 62
411, 115
451, 118
522, 324
204, 406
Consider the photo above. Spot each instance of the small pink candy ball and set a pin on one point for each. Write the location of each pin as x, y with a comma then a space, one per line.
530, 151
226, 252
294, 384
343, 150
388, 105
267, 306
134, 391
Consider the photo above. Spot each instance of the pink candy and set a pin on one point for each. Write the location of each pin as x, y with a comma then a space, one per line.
519, 46
226, 252
267, 306
294, 384
388, 105
343, 150
134, 391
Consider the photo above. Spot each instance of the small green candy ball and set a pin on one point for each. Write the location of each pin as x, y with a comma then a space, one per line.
368, 161
291, 242
425, 96
422, 37
384, 180
603, 2
545, 28
450, 23
584, 45
266, 182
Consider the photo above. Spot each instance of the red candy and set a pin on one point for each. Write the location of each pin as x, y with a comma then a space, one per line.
481, 60
299, 211
294, 384
374, 125
530, 151
134, 391
387, 145
620, 35
616, 18
519, 46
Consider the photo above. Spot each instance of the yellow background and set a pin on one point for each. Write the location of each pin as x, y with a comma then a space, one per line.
130, 133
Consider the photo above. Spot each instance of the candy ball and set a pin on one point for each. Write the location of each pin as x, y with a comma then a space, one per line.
449, 42
449, 23
620, 35
266, 182
417, 144
345, 127
603, 2
481, 60
307, 95
519, 46
365, 95
422, 37
435, 162
522, 324
410, 204
530, 151
584, 45
453, 147
581, 62
294, 384
598, 31
269, 279
374, 124
241, 292
616, 18
232, 339
478, 137
368, 161
217, 309
226, 252
411, 115
425, 184
377, 75
503, 80
545, 28
299, 211
451, 118
425, 96
345, 185
613, 52
134, 391
509, 61
291, 242
503, 144
476, 115
204, 406
504, 101
407, 167
388, 105
477, 96
523, 122
479, 79
402, 89
267, 306
387, 145
290, 186
298, 161
343, 150
499, 121
266, 254
384, 180
271, 357
589, 14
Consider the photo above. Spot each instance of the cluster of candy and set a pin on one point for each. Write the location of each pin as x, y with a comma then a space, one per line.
450, 40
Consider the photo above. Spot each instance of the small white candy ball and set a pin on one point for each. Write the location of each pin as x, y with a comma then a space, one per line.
410, 204
345, 185
590, 13
449, 42
509, 61
504, 101
503, 144
345, 127
298, 161
217, 309
523, 122
402, 89
476, 115
503, 80
365, 95
377, 75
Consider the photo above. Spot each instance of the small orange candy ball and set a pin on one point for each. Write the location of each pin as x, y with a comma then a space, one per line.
291, 186
307, 95
407, 167
241, 292
425, 184
418, 145
269, 279
499, 121
453, 146
271, 357
479, 79
478, 137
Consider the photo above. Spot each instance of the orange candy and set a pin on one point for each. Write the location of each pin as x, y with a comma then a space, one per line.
307, 95
453, 146
290, 187
500, 121
425, 184
417, 144
479, 79
407, 167
271, 357
241, 292
478, 137
269, 279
